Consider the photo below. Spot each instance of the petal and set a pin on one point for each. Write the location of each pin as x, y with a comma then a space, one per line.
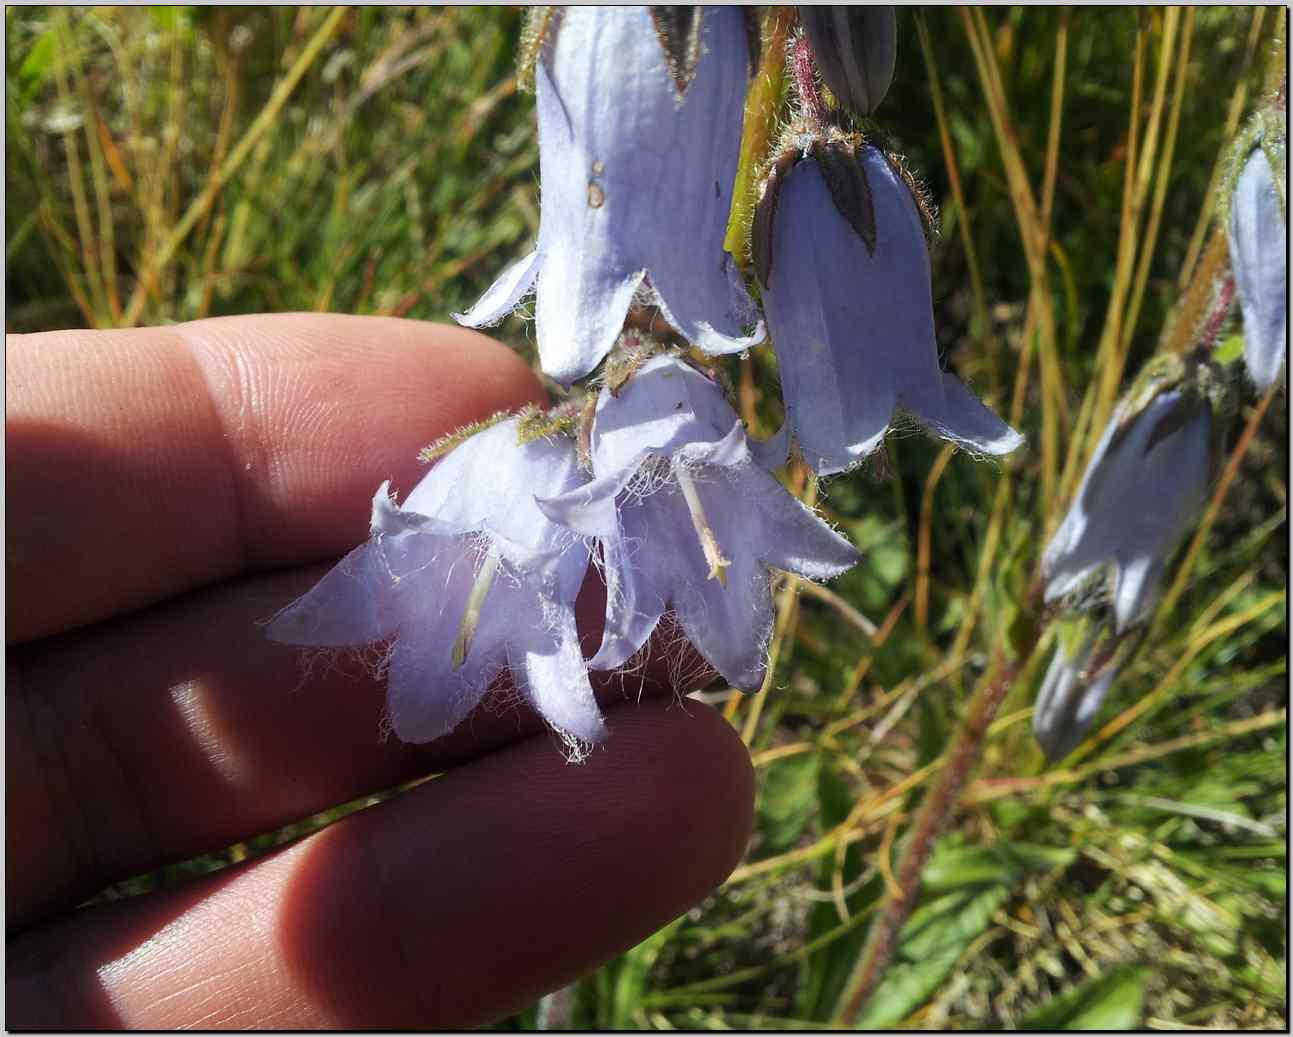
732, 450
427, 695
707, 302
588, 510
1259, 252
838, 391
505, 294
729, 623
686, 206
349, 606
553, 675
1138, 584
954, 412
637, 565
772, 453
749, 506
489, 482
666, 405
580, 308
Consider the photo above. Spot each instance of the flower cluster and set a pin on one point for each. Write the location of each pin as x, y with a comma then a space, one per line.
646, 472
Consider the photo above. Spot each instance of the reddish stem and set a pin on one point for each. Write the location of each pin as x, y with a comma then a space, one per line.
1217, 314
805, 73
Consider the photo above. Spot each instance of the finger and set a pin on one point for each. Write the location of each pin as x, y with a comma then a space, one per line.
446, 908
143, 463
181, 729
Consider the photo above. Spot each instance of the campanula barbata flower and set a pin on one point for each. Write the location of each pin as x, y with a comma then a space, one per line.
1145, 484
839, 247
1075, 686
638, 150
469, 578
1259, 257
689, 521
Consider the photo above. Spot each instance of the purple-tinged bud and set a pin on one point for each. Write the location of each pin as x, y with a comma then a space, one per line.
1259, 256
855, 48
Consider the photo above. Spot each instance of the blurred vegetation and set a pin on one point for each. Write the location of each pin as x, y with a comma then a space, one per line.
166, 164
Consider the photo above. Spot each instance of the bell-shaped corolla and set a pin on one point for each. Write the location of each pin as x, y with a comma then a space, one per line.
840, 249
688, 521
640, 115
1145, 484
1259, 258
469, 578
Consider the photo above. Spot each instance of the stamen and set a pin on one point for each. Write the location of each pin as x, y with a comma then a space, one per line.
708, 542
471, 615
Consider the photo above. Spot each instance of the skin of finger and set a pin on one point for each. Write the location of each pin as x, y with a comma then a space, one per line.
449, 907
179, 730
148, 462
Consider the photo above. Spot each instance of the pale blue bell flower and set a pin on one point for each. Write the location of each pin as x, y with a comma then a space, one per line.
1069, 699
688, 521
469, 578
1259, 257
853, 326
1146, 482
636, 180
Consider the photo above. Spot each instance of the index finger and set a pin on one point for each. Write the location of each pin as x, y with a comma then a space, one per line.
147, 462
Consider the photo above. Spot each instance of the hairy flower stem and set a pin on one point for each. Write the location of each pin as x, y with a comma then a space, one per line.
1221, 306
762, 116
935, 811
805, 73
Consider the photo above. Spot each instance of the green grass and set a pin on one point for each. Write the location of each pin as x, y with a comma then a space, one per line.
159, 168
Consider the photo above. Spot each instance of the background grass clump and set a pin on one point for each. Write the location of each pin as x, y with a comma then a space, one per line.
166, 164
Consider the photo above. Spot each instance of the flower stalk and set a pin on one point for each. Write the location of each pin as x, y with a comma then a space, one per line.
935, 812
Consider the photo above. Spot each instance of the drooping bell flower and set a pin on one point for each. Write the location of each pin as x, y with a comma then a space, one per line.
1259, 256
1145, 484
839, 247
1074, 688
688, 521
855, 47
640, 115
469, 578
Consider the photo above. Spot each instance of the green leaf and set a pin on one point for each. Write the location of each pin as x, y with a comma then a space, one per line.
932, 941
952, 866
38, 63
1109, 1002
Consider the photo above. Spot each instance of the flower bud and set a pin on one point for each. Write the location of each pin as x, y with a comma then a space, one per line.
855, 48
1146, 483
1258, 229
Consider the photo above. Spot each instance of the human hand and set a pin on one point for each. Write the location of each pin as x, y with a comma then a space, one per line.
169, 489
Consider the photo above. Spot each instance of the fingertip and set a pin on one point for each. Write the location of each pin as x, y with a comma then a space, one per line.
497, 883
